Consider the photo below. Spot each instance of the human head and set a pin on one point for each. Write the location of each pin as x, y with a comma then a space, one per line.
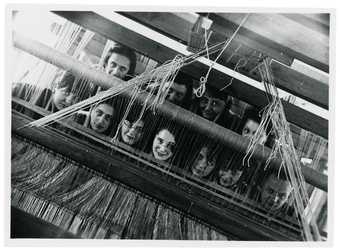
163, 144
120, 61
101, 117
64, 93
275, 192
132, 131
250, 123
229, 177
212, 104
180, 92
204, 162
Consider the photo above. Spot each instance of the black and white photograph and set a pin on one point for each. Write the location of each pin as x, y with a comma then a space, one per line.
169, 124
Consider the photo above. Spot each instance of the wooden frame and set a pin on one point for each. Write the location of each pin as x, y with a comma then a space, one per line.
183, 196
311, 121
176, 113
179, 25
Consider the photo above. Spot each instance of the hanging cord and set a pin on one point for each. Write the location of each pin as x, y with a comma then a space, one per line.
141, 79
285, 150
203, 80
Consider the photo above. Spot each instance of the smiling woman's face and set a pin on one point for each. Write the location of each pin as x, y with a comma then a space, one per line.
211, 106
163, 144
203, 164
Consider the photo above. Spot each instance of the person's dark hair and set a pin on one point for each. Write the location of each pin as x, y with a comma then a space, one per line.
184, 80
254, 115
75, 84
271, 170
249, 114
223, 120
125, 51
214, 150
68, 79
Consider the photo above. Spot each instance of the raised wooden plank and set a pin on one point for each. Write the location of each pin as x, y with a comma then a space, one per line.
311, 22
313, 177
159, 52
300, 85
323, 17
310, 71
178, 26
287, 78
300, 42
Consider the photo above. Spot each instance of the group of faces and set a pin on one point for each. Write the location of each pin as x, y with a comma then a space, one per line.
205, 163
118, 63
275, 192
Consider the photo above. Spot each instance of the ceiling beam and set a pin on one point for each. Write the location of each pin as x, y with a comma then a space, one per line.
296, 40
309, 21
178, 26
162, 48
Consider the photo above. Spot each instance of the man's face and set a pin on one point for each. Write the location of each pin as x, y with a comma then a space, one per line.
203, 164
250, 129
229, 177
163, 144
275, 193
101, 117
62, 97
131, 133
211, 107
118, 65
176, 93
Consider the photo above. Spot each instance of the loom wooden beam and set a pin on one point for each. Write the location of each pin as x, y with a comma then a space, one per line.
317, 22
323, 18
180, 25
245, 88
286, 78
307, 45
175, 113
189, 199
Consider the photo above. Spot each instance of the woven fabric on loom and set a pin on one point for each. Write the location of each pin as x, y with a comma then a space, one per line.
85, 204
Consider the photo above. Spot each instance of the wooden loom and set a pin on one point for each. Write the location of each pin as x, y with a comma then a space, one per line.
248, 229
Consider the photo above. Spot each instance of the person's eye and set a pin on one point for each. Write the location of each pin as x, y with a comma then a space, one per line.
123, 69
246, 131
113, 64
139, 129
160, 140
99, 112
200, 156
